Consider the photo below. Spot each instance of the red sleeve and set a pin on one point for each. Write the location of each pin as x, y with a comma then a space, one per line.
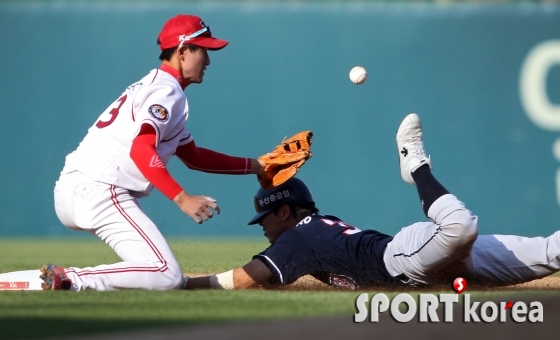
206, 160
143, 153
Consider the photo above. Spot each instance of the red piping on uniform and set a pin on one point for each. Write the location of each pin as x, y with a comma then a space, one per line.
139, 230
155, 75
132, 105
115, 271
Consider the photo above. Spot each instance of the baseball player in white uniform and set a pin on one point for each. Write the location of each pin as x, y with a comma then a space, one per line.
124, 155
306, 242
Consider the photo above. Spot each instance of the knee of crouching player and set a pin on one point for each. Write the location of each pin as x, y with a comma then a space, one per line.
172, 278
464, 228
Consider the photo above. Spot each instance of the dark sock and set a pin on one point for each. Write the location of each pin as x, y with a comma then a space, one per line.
429, 189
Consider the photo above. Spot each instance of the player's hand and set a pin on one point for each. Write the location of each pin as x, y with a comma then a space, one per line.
198, 207
257, 167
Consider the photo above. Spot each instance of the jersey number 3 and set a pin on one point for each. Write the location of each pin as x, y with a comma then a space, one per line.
348, 229
114, 113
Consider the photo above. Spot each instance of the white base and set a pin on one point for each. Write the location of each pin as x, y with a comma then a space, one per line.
21, 280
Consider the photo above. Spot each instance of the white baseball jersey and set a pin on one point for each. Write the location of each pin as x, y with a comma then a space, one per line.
104, 154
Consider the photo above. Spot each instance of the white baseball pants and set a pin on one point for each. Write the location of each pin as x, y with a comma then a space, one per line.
112, 214
437, 252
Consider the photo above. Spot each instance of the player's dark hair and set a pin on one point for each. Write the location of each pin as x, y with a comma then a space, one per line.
168, 52
300, 211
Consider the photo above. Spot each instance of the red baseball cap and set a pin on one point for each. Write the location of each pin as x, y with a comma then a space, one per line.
188, 29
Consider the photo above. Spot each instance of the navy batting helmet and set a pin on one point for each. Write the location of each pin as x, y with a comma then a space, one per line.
294, 191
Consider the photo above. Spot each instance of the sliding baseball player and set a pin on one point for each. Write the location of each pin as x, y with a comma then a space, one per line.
305, 241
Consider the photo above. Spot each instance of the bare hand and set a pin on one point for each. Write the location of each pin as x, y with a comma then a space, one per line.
197, 207
257, 167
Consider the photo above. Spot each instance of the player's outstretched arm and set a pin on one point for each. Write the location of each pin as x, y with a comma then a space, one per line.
206, 160
253, 274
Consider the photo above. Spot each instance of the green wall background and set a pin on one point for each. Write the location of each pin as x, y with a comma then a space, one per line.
286, 70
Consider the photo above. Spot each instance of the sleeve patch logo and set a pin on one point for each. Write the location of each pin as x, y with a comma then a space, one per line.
159, 112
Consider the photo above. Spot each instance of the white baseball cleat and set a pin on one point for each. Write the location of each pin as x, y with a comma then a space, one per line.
411, 147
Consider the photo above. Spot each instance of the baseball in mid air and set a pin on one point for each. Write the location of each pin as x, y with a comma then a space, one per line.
358, 75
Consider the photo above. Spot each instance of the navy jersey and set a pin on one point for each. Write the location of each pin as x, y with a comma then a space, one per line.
330, 250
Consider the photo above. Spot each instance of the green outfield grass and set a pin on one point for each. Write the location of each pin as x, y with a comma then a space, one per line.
35, 315
194, 256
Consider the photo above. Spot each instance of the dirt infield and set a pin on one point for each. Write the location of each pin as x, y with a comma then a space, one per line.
548, 283
308, 282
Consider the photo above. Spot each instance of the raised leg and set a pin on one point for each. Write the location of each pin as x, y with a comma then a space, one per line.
429, 252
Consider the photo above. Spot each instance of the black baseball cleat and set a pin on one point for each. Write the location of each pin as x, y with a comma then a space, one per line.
55, 278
